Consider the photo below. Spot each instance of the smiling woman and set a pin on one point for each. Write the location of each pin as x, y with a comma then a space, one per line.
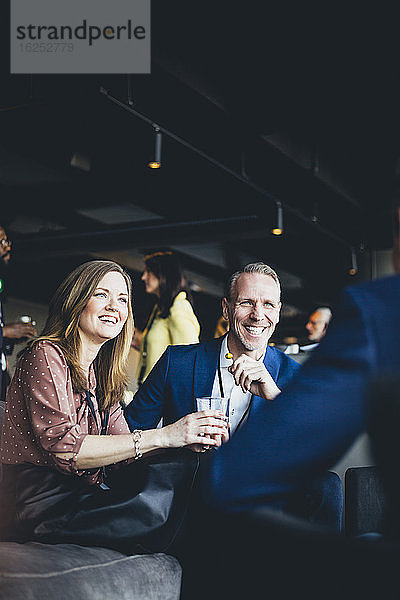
64, 423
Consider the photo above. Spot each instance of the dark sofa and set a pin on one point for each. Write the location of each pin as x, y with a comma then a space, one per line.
33, 571
364, 501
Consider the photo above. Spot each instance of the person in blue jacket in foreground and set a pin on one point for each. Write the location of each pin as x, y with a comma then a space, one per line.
295, 438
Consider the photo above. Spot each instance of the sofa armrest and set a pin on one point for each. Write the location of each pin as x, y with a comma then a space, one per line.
364, 501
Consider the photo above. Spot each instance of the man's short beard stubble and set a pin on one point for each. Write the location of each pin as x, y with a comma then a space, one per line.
250, 347
247, 344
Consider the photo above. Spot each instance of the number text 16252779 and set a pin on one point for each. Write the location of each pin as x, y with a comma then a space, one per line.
46, 47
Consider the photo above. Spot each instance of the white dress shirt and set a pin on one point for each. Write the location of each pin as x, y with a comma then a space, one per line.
238, 400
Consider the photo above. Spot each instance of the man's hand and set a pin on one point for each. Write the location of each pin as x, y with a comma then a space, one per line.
252, 376
17, 331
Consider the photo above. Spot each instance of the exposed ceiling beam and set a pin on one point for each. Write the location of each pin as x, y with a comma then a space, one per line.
142, 235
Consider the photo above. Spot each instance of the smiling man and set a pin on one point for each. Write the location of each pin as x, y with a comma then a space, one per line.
240, 366
252, 307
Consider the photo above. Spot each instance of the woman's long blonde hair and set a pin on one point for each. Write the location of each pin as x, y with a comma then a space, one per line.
61, 328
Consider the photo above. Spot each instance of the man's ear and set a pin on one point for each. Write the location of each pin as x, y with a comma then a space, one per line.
225, 311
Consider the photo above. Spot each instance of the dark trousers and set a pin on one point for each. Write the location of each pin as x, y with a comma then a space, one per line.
242, 549
266, 554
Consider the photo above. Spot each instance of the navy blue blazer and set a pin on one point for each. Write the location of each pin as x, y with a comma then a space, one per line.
313, 422
186, 372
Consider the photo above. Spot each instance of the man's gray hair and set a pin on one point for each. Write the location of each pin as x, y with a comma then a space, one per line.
257, 267
325, 311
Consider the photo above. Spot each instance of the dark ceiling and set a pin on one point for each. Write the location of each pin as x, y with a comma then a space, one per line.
285, 105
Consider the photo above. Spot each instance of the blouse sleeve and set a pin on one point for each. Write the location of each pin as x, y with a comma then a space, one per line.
118, 424
183, 325
59, 424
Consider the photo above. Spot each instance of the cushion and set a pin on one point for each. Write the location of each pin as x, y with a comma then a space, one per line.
364, 501
34, 571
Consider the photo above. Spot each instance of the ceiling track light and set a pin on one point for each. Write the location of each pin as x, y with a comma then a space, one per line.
156, 163
354, 267
278, 229
243, 177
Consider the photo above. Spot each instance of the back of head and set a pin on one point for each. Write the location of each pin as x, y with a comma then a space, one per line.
167, 267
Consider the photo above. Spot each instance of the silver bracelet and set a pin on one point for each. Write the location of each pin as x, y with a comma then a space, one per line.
137, 438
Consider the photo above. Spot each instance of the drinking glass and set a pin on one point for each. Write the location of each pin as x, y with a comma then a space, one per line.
212, 403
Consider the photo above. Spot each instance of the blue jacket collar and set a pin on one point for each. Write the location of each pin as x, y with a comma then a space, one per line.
205, 366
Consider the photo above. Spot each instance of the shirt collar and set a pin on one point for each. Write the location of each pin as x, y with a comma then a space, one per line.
223, 361
309, 347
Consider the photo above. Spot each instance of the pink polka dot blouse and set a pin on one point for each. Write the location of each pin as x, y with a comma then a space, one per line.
44, 416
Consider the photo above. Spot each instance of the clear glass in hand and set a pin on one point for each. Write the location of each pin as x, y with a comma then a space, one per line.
213, 403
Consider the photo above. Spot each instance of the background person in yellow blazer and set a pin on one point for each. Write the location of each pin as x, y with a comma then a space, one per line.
172, 320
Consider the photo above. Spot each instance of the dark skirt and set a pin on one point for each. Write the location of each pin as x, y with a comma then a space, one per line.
142, 511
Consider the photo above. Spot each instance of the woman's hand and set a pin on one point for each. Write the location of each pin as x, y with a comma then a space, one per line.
200, 430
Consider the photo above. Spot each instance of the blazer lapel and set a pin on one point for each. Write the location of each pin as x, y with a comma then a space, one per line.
205, 366
272, 363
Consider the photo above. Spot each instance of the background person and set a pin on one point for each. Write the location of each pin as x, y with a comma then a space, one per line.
316, 326
317, 323
10, 333
221, 327
64, 422
172, 320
